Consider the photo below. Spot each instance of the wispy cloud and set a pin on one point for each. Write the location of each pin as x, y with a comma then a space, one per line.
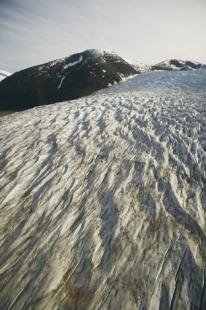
33, 32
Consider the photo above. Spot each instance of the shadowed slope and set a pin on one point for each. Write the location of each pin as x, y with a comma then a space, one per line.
63, 79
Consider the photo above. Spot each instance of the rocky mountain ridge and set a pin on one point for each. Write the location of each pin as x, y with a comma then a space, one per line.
177, 65
63, 79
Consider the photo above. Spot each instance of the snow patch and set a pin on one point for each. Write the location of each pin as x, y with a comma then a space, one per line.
60, 84
4, 74
71, 64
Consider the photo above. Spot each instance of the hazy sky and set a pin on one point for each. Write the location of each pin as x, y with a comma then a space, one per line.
149, 31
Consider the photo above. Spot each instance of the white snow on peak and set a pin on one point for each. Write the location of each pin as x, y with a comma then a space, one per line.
54, 62
139, 66
101, 52
96, 51
5, 72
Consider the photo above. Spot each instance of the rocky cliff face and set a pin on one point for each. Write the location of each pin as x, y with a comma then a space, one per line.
63, 79
103, 200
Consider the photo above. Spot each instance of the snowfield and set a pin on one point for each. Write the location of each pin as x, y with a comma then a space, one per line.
103, 199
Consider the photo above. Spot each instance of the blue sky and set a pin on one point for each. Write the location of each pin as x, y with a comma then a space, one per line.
149, 31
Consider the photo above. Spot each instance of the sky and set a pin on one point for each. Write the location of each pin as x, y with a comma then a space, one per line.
148, 31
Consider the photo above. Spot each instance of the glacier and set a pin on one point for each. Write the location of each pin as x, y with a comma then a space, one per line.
103, 199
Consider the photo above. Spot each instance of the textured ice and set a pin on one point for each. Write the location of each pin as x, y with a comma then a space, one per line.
103, 199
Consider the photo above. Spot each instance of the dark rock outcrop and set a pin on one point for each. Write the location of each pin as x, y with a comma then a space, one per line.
64, 79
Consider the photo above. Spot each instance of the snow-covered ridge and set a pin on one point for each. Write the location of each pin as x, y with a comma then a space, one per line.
103, 200
168, 65
101, 52
177, 64
139, 66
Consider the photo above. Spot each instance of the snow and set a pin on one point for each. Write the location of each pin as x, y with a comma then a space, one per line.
3, 74
168, 64
139, 66
44, 66
103, 198
162, 81
101, 53
54, 62
61, 81
71, 64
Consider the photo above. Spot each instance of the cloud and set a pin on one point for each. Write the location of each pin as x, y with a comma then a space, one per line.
149, 31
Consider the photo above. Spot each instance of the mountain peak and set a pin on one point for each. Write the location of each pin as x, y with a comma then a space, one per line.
63, 79
177, 64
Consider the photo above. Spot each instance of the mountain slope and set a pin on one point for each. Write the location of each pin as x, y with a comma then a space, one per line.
103, 200
63, 79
